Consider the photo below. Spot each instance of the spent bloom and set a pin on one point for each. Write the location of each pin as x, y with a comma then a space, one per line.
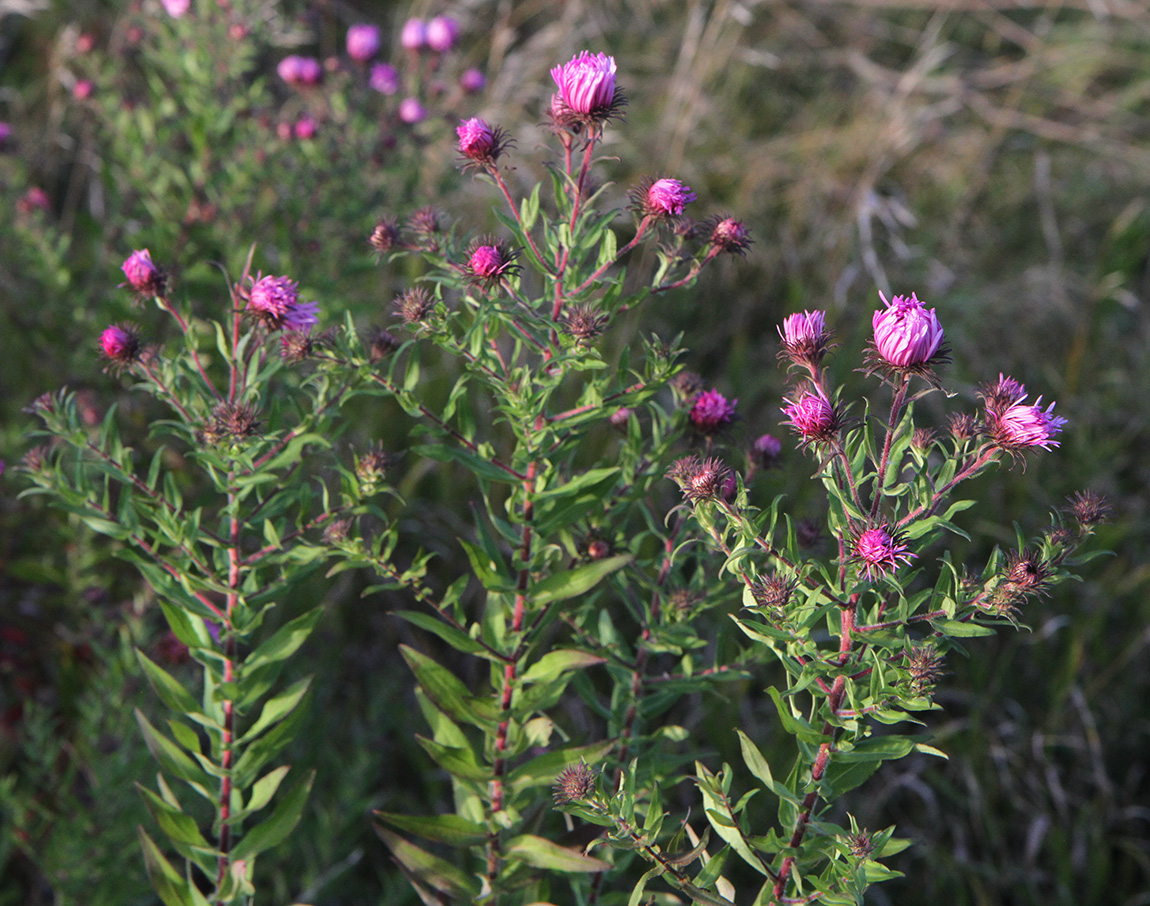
142, 275
812, 416
362, 42
699, 479
442, 33
575, 782
275, 301
664, 198
907, 335
480, 143
414, 34
586, 89
878, 551
805, 338
120, 343
712, 412
384, 78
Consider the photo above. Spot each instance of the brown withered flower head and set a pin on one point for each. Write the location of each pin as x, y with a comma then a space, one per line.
231, 422
925, 666
687, 385
728, 234
386, 235
575, 782
337, 531
382, 344
699, 479
1028, 574
1088, 508
584, 323
414, 306
426, 226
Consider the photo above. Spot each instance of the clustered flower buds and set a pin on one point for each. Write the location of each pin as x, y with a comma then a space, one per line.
878, 551
142, 275
586, 93
297, 70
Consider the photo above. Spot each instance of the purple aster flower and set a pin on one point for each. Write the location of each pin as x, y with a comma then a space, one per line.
120, 343
712, 412
906, 333
765, 451
362, 42
812, 416
305, 127
142, 275
297, 70
480, 143
275, 302
411, 111
586, 89
879, 552
489, 263
472, 81
384, 78
666, 198
805, 338
442, 33
414, 34
1021, 426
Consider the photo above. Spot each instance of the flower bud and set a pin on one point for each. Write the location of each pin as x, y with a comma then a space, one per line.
811, 416
664, 198
472, 81
487, 265
411, 111
414, 34
878, 552
479, 143
120, 343
805, 338
586, 90
729, 235
906, 334
575, 782
142, 275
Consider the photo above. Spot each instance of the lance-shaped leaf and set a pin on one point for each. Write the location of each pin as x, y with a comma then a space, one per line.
276, 827
542, 853
573, 582
172, 758
171, 693
554, 663
448, 692
166, 881
458, 762
182, 831
450, 829
431, 870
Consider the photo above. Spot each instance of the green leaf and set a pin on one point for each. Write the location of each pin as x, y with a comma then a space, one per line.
542, 853
543, 769
284, 642
276, 827
171, 693
554, 663
429, 869
457, 761
456, 638
569, 584
448, 692
487, 569
277, 708
181, 830
166, 881
172, 759
264, 789
450, 829
960, 629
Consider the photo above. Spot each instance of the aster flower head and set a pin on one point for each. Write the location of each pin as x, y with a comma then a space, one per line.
479, 143
383, 343
728, 235
687, 385
231, 422
699, 479
907, 336
176, 8
275, 302
384, 78
811, 415
297, 346
1015, 426
414, 306
142, 274
662, 198
120, 344
773, 593
362, 42
1089, 508
411, 111
584, 323
426, 225
925, 667
711, 412
766, 450
575, 782
385, 236
586, 93
442, 33
489, 263
297, 70
877, 551
805, 338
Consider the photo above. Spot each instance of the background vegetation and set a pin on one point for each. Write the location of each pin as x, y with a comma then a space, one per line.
992, 156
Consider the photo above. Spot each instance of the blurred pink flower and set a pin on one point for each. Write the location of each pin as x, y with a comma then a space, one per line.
305, 127
711, 412
142, 274
442, 33
411, 111
176, 8
414, 34
297, 70
472, 81
120, 343
384, 78
906, 333
362, 42
82, 90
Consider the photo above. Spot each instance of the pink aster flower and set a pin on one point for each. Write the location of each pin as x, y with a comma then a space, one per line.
142, 275
879, 552
305, 127
489, 263
480, 143
414, 34
711, 412
906, 333
176, 8
120, 343
411, 111
362, 42
666, 198
1022, 426
805, 338
384, 78
297, 70
586, 88
812, 416
729, 235
83, 89
442, 33
275, 301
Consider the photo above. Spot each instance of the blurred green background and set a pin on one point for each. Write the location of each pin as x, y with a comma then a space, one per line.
991, 155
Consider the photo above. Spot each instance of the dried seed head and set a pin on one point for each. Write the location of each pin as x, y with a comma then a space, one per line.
687, 385
414, 305
230, 422
386, 235
425, 224
773, 591
337, 531
1027, 574
963, 427
383, 343
584, 323
925, 666
575, 782
699, 479
1089, 509
296, 346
